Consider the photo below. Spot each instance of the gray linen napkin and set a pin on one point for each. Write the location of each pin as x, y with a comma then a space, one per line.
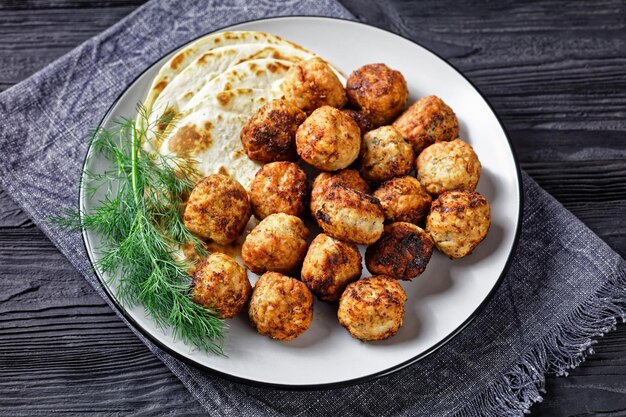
564, 287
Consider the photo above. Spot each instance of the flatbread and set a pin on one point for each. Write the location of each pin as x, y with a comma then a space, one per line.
208, 128
211, 64
193, 51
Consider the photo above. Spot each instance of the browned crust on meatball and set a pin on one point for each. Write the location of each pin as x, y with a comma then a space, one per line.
328, 139
218, 209
221, 284
278, 243
361, 120
349, 178
457, 201
270, 134
427, 121
372, 308
312, 84
278, 187
330, 265
458, 221
379, 91
447, 166
385, 154
281, 307
350, 215
404, 199
402, 252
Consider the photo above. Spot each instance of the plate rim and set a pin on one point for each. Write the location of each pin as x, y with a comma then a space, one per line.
330, 385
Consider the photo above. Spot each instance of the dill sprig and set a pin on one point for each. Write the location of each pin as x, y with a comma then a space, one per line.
138, 219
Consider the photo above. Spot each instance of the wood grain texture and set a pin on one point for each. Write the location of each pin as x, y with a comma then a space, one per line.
555, 72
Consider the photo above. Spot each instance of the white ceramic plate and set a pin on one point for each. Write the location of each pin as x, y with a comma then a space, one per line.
440, 302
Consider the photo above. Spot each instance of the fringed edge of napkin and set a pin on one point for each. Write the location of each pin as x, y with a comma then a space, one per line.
563, 349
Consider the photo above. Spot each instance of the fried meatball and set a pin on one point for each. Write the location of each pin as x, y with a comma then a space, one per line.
372, 308
218, 209
427, 121
280, 307
402, 252
447, 166
270, 135
328, 139
349, 215
278, 187
330, 265
379, 91
221, 284
277, 243
365, 125
312, 84
385, 154
458, 222
346, 177
404, 199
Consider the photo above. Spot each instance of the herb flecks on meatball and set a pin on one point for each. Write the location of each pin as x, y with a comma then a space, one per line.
458, 222
349, 215
281, 307
378, 91
328, 139
218, 209
270, 135
278, 243
312, 84
404, 199
278, 187
372, 308
385, 155
402, 252
427, 121
447, 166
349, 178
221, 284
329, 266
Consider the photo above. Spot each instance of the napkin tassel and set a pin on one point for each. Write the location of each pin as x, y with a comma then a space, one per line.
563, 349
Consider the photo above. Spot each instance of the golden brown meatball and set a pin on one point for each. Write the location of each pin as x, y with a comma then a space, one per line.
312, 84
329, 266
458, 222
427, 121
328, 139
347, 177
270, 135
447, 166
379, 91
350, 216
404, 199
277, 243
385, 154
402, 252
372, 308
365, 125
278, 187
281, 307
221, 284
218, 209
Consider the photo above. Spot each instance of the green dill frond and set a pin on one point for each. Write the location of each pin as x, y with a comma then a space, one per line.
138, 218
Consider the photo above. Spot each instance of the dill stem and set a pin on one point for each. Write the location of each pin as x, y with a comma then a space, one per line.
133, 164
135, 244
133, 170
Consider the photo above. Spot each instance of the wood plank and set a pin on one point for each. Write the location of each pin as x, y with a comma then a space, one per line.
31, 39
62, 349
535, 70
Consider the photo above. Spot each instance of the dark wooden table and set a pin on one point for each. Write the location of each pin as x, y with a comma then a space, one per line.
555, 72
